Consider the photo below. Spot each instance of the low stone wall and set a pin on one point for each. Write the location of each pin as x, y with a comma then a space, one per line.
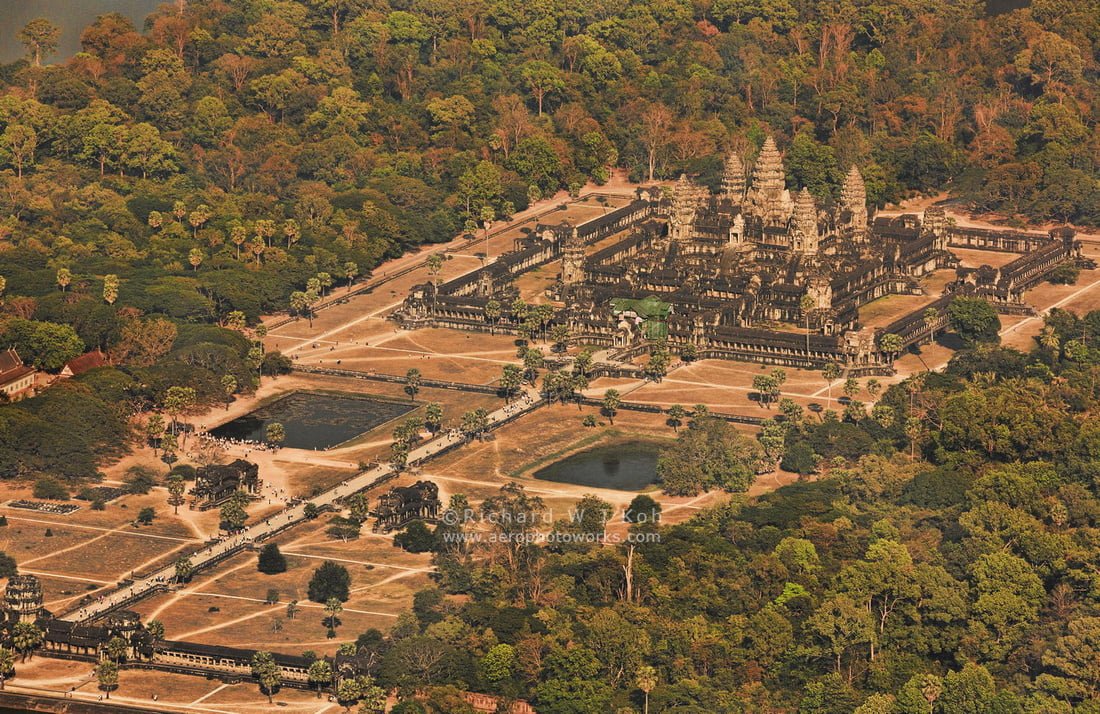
396, 379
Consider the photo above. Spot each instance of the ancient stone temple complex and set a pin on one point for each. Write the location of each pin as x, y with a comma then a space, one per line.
758, 271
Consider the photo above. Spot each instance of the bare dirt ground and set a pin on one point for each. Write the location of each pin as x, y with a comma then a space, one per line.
173, 692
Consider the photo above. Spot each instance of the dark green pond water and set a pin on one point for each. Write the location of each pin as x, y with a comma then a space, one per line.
631, 466
314, 421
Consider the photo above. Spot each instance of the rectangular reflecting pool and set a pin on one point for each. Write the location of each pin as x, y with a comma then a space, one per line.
313, 420
630, 466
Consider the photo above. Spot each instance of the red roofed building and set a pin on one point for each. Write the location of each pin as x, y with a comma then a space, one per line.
79, 365
16, 379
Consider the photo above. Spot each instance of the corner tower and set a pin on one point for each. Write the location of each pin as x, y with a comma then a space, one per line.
853, 199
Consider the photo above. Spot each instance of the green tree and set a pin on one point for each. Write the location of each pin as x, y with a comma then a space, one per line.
270, 560
177, 401
233, 513
843, 626
320, 675
412, 382
7, 665
267, 672
330, 580
611, 403
229, 386
40, 37
274, 434
974, 320
499, 663
45, 345
25, 637
106, 673
333, 607
676, 414
541, 78
1075, 656
110, 289
433, 416
709, 454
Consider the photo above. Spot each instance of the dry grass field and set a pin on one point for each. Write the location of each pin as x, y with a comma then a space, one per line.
228, 604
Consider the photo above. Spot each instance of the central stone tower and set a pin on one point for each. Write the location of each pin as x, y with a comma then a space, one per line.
768, 199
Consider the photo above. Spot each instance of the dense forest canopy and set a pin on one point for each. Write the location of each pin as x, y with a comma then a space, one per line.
227, 152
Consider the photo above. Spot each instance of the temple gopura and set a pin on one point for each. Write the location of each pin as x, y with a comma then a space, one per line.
754, 272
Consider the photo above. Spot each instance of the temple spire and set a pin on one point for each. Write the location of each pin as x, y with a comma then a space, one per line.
733, 179
805, 213
767, 173
853, 198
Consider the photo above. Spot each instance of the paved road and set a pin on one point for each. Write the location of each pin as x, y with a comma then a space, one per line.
289, 516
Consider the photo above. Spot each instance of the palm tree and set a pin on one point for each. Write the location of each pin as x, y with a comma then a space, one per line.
807, 304
320, 674
116, 649
646, 681
351, 269
433, 416
265, 669
292, 232
184, 570
155, 628
435, 265
110, 289
676, 414
238, 235
611, 403
830, 373
275, 434
64, 277
333, 607
890, 343
931, 315
107, 674
7, 665
25, 636
1048, 338
559, 336
488, 215
195, 258
930, 688
492, 313
198, 218
412, 382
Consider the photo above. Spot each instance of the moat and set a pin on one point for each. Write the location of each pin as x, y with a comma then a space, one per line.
314, 420
629, 466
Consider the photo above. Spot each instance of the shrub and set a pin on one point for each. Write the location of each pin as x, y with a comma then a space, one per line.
271, 561
8, 567
416, 538
50, 489
799, 458
141, 479
643, 509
